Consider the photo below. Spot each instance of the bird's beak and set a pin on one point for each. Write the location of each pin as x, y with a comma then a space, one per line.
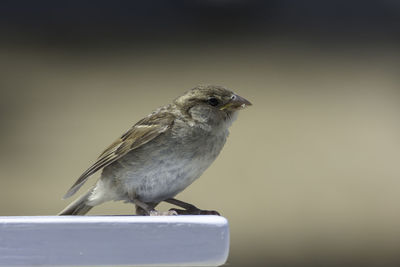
237, 102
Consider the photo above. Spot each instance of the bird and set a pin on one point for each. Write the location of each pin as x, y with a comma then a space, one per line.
162, 154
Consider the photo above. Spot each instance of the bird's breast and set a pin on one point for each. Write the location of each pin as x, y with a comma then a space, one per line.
167, 165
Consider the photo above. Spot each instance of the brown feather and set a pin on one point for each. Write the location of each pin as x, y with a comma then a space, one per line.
141, 133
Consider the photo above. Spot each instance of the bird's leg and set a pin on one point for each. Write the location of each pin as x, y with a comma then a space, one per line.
189, 209
181, 204
148, 209
141, 211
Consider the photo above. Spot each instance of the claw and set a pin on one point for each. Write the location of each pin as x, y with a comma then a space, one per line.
209, 212
163, 213
195, 212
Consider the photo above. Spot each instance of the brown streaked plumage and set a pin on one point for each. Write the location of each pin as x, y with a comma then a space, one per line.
162, 154
141, 133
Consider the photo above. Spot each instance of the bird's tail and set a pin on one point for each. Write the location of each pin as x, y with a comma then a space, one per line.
78, 207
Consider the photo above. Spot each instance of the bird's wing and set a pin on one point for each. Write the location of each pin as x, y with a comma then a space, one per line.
141, 133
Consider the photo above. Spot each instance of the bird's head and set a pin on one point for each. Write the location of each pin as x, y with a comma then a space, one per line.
211, 104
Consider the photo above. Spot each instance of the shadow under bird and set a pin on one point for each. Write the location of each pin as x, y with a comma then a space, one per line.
162, 154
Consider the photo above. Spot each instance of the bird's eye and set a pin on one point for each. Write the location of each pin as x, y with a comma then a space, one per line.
213, 101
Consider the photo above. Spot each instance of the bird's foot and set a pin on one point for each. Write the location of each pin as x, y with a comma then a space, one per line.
162, 213
195, 212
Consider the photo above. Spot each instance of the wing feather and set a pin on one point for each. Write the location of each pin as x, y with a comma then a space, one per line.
141, 133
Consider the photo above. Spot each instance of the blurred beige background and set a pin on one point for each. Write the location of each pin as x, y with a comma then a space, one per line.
309, 175
313, 165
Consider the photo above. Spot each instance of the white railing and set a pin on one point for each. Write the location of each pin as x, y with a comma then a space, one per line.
113, 240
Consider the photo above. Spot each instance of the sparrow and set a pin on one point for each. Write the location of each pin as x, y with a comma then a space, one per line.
162, 154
